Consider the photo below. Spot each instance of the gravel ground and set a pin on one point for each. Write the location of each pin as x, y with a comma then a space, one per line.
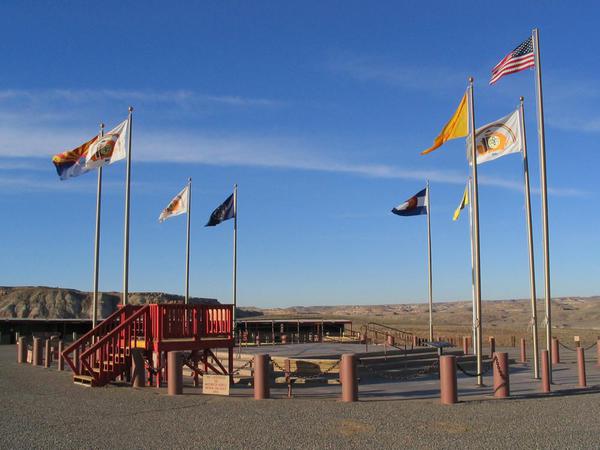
42, 408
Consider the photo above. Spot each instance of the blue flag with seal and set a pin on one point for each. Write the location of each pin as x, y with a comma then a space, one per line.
223, 212
414, 206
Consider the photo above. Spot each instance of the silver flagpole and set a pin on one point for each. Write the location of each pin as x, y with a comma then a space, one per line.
235, 187
187, 245
544, 186
474, 325
429, 265
534, 325
97, 242
476, 258
127, 188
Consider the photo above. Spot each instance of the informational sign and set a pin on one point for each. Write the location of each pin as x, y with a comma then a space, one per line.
215, 384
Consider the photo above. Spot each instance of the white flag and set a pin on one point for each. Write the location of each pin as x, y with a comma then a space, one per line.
109, 148
179, 205
497, 139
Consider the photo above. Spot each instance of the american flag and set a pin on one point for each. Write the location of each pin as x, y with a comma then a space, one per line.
519, 59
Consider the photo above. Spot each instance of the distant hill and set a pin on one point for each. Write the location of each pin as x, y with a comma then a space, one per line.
40, 302
567, 312
50, 302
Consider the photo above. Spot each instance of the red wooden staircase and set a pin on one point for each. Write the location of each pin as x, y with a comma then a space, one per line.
104, 353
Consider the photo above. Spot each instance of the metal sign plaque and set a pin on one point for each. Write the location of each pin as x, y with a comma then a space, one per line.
215, 384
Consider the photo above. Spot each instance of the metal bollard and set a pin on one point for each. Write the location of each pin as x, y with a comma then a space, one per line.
523, 351
22, 350
47, 354
138, 369
545, 372
61, 361
175, 373
448, 384
36, 356
555, 353
492, 345
261, 376
581, 366
348, 378
465, 345
501, 375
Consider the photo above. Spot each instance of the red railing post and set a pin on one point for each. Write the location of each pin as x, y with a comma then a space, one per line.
196, 328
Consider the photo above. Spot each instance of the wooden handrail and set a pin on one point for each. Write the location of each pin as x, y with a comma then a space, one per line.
98, 331
115, 333
389, 328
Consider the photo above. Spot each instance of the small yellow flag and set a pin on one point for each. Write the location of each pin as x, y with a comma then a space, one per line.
455, 128
464, 202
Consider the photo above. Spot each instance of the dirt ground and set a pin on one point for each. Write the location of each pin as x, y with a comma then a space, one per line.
44, 409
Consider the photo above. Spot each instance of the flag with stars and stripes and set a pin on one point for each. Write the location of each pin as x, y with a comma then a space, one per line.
519, 59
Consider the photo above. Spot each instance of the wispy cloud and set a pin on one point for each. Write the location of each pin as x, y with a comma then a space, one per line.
25, 183
19, 165
46, 104
410, 77
580, 123
293, 154
572, 104
26, 135
246, 151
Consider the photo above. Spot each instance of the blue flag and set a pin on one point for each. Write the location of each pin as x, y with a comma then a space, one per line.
414, 206
223, 212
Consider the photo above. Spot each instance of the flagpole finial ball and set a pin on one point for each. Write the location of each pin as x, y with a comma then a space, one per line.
470, 79
102, 125
131, 109
521, 99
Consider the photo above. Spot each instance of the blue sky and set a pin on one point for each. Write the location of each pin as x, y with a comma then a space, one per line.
318, 110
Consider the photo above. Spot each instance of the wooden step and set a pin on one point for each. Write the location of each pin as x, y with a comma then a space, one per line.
224, 356
407, 357
83, 380
307, 366
301, 380
398, 363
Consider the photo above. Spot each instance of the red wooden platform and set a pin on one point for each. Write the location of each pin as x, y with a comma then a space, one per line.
104, 353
